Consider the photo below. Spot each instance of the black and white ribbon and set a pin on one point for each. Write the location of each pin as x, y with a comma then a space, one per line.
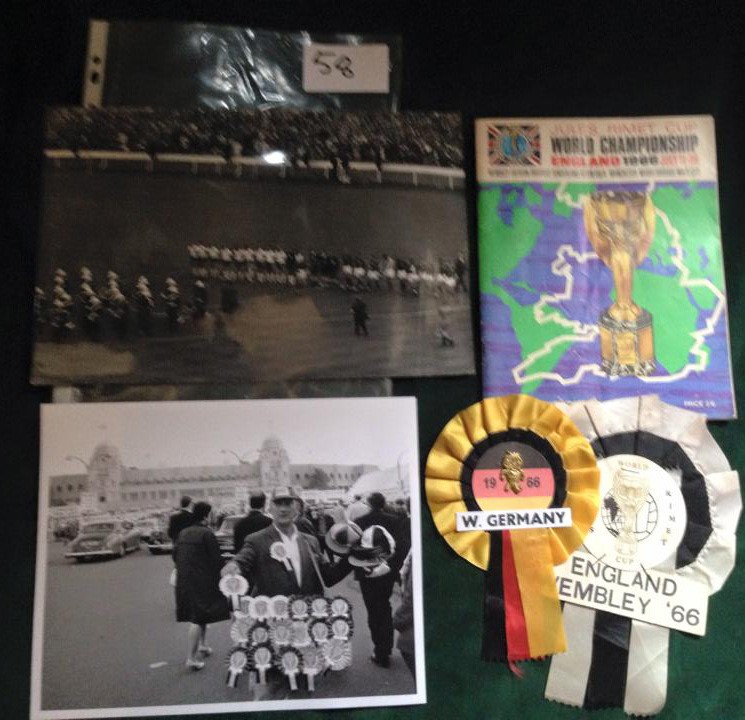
613, 661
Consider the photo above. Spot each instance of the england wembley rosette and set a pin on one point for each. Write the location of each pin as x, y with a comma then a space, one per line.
520, 473
664, 541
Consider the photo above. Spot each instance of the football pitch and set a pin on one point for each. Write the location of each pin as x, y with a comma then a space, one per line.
306, 334
140, 223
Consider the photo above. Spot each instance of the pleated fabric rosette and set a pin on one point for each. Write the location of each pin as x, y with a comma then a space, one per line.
616, 661
522, 613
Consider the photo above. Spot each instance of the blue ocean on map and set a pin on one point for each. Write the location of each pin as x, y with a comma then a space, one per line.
540, 320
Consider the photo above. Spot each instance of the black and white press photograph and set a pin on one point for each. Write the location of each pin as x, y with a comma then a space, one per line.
227, 556
181, 246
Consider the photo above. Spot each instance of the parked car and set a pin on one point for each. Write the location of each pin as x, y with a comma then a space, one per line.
66, 531
159, 543
224, 534
104, 538
147, 526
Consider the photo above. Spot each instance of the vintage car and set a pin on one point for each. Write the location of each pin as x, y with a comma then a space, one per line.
147, 527
224, 534
159, 543
104, 538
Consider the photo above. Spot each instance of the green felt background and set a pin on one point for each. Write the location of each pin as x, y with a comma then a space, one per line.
506, 58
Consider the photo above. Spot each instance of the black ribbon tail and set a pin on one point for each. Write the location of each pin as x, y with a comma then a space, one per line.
606, 681
494, 636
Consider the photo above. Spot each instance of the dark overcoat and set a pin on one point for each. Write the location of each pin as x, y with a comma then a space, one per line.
198, 564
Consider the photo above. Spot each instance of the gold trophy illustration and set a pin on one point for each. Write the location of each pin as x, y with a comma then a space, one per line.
630, 490
620, 226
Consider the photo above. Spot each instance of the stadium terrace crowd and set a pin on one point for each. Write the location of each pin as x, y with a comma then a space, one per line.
110, 310
411, 138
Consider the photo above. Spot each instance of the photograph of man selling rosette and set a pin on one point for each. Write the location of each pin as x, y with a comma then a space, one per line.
261, 554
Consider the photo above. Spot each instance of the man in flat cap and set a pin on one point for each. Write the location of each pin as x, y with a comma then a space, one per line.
281, 560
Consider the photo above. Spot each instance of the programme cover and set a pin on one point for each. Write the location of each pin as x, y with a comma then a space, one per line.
601, 260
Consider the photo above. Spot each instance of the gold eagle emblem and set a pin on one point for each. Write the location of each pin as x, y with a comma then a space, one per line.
511, 472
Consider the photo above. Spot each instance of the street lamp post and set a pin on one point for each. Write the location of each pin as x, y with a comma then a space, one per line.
401, 474
241, 461
239, 458
70, 458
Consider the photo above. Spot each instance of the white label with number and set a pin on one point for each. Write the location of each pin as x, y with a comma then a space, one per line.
346, 68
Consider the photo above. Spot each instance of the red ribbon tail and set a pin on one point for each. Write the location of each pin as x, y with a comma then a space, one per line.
518, 647
515, 669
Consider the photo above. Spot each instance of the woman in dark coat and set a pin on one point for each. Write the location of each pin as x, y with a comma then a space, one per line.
198, 597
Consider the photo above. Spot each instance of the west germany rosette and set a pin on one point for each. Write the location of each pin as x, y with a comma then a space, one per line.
525, 460
663, 542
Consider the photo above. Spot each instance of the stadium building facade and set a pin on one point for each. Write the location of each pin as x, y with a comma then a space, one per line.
109, 485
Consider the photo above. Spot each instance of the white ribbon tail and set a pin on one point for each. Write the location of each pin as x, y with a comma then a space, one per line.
567, 677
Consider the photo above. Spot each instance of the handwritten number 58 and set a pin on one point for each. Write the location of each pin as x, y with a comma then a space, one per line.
326, 63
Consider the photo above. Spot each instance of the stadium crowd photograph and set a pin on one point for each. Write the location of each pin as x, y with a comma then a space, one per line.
187, 245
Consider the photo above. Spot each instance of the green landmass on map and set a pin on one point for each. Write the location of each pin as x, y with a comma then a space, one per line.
693, 215
502, 247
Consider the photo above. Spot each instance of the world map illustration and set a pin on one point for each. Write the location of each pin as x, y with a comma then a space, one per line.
543, 289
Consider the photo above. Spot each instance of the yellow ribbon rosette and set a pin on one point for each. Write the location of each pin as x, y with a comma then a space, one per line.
523, 456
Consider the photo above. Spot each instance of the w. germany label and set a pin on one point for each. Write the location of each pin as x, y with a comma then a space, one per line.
512, 486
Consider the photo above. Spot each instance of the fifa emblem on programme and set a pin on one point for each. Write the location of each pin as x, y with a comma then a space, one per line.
514, 145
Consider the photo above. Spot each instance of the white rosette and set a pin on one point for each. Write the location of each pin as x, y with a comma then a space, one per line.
319, 630
340, 607
314, 662
261, 660
280, 632
338, 653
708, 563
233, 587
300, 634
278, 552
319, 607
289, 661
299, 608
260, 607
259, 633
240, 629
280, 606
237, 663
341, 628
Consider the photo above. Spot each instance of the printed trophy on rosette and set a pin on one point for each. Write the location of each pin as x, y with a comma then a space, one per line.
620, 226
630, 488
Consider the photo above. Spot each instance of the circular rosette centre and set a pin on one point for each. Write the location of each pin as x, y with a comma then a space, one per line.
512, 476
